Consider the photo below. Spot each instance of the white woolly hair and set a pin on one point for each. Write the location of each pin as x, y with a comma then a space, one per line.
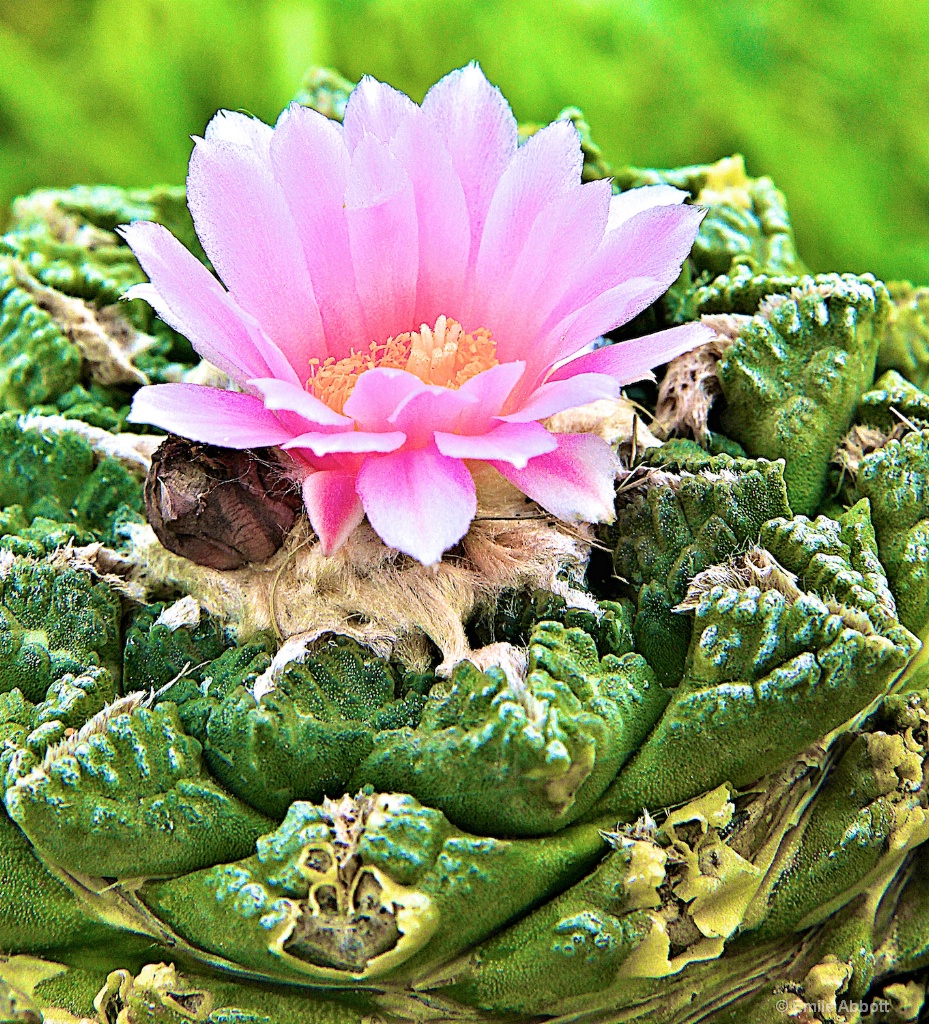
378, 596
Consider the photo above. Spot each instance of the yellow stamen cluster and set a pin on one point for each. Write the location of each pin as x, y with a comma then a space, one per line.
445, 354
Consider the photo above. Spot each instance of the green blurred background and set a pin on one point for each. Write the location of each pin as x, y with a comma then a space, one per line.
831, 99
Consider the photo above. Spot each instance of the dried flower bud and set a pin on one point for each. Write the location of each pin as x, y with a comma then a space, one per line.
218, 506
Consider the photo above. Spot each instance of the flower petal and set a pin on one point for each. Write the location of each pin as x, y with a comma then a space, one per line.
544, 167
629, 361
280, 394
563, 238
634, 264
441, 210
190, 299
634, 200
377, 394
433, 408
418, 500
568, 393
374, 108
481, 135
311, 165
574, 483
515, 443
241, 129
490, 389
209, 415
384, 237
248, 233
333, 506
354, 441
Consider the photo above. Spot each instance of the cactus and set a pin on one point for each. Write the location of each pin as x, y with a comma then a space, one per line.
687, 787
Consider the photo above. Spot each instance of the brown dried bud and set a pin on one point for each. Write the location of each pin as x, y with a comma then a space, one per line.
218, 506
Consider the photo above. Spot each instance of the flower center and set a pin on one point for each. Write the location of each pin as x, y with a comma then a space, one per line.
445, 354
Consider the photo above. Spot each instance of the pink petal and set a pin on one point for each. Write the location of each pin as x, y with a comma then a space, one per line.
574, 483
248, 233
563, 238
433, 408
232, 126
631, 360
383, 233
333, 507
190, 299
311, 165
635, 263
514, 443
490, 389
568, 393
445, 232
208, 415
374, 109
480, 132
418, 501
377, 394
280, 394
627, 204
544, 167
347, 441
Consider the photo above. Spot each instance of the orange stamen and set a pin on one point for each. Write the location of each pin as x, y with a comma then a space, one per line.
444, 355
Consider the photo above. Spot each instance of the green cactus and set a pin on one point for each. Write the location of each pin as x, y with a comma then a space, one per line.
699, 512
507, 753
794, 376
895, 480
697, 798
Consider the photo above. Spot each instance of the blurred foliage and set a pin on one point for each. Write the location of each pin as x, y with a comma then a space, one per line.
831, 100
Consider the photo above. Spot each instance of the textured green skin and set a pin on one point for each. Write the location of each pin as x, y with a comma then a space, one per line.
793, 379
896, 481
571, 947
53, 488
303, 740
765, 675
229, 909
891, 391
134, 799
905, 346
53, 623
493, 766
663, 538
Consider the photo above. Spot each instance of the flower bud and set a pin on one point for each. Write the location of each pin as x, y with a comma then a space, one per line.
218, 506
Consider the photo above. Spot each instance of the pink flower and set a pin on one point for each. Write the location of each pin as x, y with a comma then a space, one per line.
403, 296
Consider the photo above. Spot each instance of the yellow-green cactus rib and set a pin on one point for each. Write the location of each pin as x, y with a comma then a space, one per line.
126, 796
905, 946
161, 994
524, 751
367, 888
51, 623
905, 345
896, 481
665, 900
771, 666
302, 737
795, 373
53, 489
866, 817
692, 512
37, 911
746, 223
